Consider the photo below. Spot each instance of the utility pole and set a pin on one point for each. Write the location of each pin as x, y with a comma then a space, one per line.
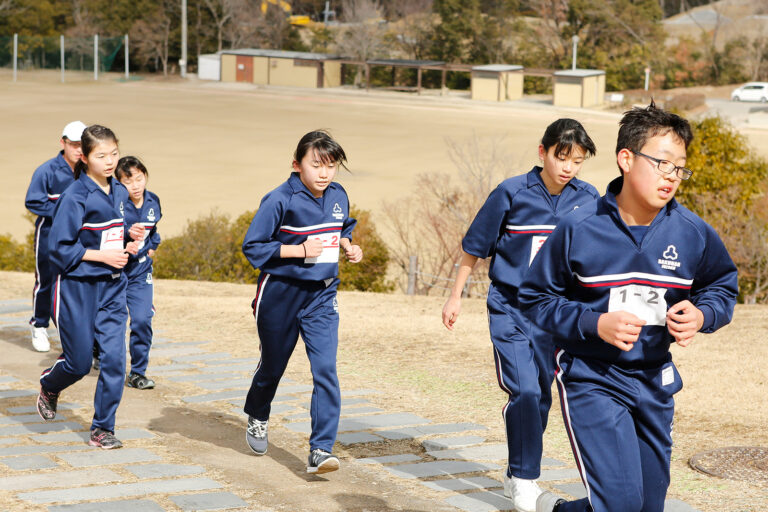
326, 12
575, 40
183, 60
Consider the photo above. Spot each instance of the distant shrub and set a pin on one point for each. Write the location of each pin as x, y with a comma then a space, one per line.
370, 274
210, 249
722, 160
728, 190
18, 256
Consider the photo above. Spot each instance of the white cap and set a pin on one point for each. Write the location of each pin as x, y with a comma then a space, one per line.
74, 131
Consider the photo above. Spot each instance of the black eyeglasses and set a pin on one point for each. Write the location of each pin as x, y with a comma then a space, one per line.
666, 167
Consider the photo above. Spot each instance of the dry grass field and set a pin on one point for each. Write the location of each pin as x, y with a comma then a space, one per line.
213, 145
396, 343
223, 146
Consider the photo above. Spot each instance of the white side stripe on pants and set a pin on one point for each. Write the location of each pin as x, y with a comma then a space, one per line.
569, 427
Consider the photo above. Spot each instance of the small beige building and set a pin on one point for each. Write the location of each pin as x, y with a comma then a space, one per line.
497, 82
278, 67
579, 88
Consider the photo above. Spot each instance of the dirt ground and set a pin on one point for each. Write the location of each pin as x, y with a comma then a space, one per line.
396, 343
223, 146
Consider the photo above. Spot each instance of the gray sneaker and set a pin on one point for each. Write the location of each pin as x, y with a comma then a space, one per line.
104, 439
256, 435
321, 461
547, 502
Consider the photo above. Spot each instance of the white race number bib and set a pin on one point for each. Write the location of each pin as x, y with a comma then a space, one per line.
112, 238
330, 252
646, 302
536, 243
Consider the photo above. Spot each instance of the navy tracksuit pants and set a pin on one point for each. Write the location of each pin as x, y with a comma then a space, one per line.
139, 297
88, 311
525, 371
285, 308
619, 422
41, 294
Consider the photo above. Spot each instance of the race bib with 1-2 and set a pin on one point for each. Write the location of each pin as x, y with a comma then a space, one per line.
330, 252
112, 238
646, 302
536, 243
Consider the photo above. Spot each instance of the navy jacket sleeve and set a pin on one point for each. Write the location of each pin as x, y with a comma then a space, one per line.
37, 194
542, 294
483, 233
349, 225
66, 251
154, 237
715, 287
260, 245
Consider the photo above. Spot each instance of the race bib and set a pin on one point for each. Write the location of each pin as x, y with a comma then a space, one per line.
330, 252
536, 243
645, 302
112, 238
143, 240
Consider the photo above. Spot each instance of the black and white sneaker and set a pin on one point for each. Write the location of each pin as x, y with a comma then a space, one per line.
104, 439
321, 461
256, 435
46, 404
138, 381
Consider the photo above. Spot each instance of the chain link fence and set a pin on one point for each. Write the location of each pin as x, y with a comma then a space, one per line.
76, 54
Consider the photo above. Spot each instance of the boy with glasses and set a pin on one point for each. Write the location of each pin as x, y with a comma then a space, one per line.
616, 283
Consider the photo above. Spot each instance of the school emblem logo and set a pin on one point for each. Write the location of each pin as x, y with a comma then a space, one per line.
149, 277
151, 215
668, 258
337, 212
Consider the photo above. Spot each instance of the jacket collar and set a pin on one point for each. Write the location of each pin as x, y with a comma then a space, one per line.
62, 164
534, 178
298, 186
614, 187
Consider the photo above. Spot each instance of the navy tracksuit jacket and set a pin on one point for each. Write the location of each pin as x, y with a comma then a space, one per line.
298, 296
89, 304
618, 406
511, 226
140, 289
48, 182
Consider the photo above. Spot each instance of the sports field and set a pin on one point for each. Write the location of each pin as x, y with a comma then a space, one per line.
212, 145
396, 344
223, 146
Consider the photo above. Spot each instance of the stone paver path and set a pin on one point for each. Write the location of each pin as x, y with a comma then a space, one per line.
456, 460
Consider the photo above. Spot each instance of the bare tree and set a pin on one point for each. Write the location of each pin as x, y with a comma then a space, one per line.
222, 12
151, 35
431, 223
413, 22
744, 230
363, 36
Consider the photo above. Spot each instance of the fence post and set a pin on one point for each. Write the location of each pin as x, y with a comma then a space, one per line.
96, 56
15, 54
413, 264
126, 56
465, 290
61, 45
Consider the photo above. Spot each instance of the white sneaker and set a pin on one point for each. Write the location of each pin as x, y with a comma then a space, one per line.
547, 501
40, 339
522, 492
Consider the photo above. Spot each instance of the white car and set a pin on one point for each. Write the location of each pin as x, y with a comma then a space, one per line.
751, 91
